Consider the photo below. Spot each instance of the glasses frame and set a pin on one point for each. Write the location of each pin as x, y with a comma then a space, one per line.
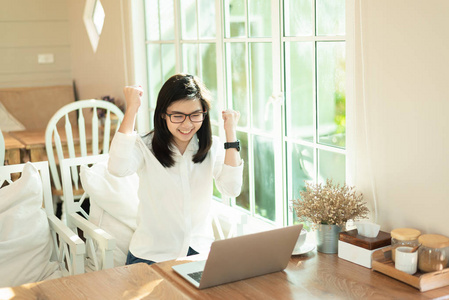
187, 115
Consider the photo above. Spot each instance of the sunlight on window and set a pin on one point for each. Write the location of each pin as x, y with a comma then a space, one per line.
98, 16
93, 18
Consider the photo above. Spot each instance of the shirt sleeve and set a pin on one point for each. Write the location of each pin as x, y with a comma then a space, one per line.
228, 179
125, 158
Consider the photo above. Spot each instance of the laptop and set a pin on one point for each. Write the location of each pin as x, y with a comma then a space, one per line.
242, 257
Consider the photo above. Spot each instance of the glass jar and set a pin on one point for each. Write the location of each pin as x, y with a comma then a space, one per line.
404, 237
433, 254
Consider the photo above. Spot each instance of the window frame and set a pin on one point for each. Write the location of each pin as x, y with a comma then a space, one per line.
283, 212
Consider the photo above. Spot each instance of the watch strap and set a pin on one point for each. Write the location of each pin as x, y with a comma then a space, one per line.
235, 145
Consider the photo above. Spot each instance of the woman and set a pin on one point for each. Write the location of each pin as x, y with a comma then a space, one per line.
176, 163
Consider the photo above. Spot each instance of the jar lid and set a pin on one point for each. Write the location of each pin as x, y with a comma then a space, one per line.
434, 241
405, 234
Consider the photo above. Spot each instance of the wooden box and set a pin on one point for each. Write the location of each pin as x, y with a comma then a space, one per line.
383, 263
359, 249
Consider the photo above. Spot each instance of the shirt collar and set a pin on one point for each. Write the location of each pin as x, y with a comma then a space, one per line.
193, 146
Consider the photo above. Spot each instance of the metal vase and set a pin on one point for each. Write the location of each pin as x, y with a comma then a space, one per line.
327, 238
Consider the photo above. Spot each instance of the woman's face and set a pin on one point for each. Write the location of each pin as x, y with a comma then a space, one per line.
183, 132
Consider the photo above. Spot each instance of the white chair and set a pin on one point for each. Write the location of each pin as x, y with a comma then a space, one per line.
100, 133
23, 222
226, 223
2, 149
96, 238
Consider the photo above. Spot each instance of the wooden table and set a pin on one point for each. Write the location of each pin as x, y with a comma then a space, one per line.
13, 147
309, 276
34, 143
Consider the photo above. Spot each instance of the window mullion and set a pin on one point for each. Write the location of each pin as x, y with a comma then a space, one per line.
178, 37
277, 111
315, 95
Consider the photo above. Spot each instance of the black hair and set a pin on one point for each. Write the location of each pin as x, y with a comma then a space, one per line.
180, 87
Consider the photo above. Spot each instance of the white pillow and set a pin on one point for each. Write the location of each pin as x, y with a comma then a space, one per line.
113, 205
25, 240
8, 122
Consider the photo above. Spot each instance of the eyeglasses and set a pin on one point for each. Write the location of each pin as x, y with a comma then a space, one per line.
195, 117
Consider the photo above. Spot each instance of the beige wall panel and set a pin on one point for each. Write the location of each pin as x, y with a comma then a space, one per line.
34, 34
23, 60
35, 79
402, 99
33, 10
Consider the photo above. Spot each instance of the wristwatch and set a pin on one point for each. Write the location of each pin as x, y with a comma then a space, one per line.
235, 145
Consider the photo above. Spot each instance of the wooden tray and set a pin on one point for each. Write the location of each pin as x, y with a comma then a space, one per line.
382, 262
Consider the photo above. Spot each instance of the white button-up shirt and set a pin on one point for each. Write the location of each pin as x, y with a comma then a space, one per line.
174, 202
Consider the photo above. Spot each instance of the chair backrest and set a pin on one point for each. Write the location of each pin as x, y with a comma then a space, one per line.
2, 149
101, 132
70, 178
68, 248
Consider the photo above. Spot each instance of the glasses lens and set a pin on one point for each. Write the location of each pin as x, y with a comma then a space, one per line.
177, 118
197, 117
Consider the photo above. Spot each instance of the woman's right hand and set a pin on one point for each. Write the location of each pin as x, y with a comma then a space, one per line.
133, 96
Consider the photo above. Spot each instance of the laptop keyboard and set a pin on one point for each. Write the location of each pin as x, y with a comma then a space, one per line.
196, 276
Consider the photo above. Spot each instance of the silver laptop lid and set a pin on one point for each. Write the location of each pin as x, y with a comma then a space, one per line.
249, 255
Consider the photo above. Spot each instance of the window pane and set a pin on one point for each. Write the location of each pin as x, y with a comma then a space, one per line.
298, 17
299, 88
261, 85
207, 18
236, 57
259, 18
152, 19
168, 60
331, 166
243, 199
301, 168
154, 73
209, 75
167, 19
330, 16
331, 93
264, 186
98, 17
190, 59
235, 19
188, 19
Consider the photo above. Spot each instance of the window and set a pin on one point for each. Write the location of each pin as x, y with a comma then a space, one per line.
282, 65
94, 16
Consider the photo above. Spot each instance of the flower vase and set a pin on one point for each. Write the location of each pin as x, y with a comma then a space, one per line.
327, 238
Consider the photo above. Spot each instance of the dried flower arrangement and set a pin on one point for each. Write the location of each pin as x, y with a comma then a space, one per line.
102, 112
331, 204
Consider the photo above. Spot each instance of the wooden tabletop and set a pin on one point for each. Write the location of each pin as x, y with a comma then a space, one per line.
309, 276
137, 281
36, 138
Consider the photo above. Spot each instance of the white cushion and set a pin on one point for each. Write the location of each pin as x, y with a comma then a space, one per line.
25, 240
113, 205
8, 122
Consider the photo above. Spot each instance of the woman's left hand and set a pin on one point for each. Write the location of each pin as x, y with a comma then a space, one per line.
230, 118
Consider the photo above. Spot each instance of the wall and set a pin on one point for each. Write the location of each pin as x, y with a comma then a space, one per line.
105, 71
29, 28
401, 102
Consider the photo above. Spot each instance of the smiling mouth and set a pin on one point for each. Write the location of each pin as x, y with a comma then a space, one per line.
185, 132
